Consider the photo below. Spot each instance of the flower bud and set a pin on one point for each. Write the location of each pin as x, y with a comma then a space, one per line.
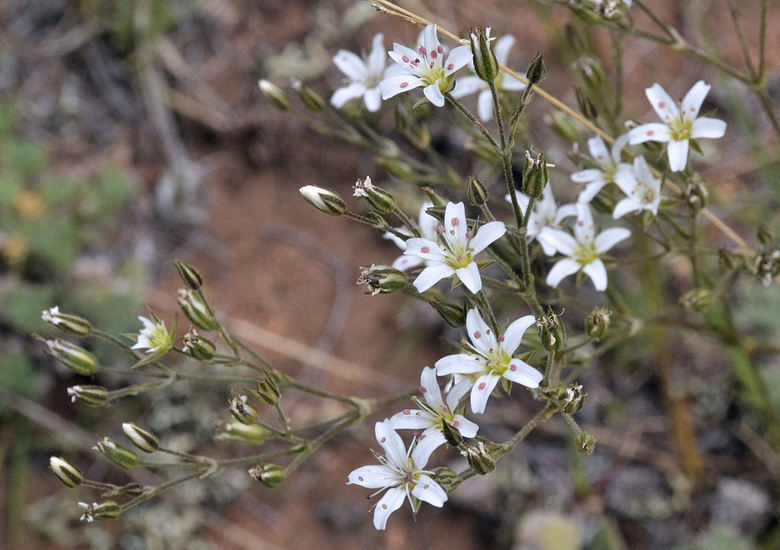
564, 126
764, 235
476, 192
551, 330
377, 197
536, 70
323, 200
534, 175
246, 434
447, 478
586, 106
591, 74
72, 356
376, 220
586, 443
141, 438
269, 475
198, 346
597, 322
727, 260
116, 453
480, 148
479, 458
396, 167
275, 95
196, 309
95, 396
485, 62
697, 299
268, 390
382, 279
189, 275
311, 99
108, 509
696, 194
66, 322
68, 474
451, 434
452, 314
241, 410
573, 398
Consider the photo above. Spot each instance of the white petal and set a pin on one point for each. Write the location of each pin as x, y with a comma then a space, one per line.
662, 104
457, 392
467, 85
373, 99
502, 47
587, 176
459, 363
373, 477
429, 387
342, 95
617, 147
555, 239
481, 335
610, 237
486, 235
706, 127
400, 52
432, 275
389, 503
598, 150
625, 178
466, 427
522, 200
407, 262
394, 85
678, 155
376, 59
629, 204
430, 41
350, 64
514, 333
412, 419
429, 491
598, 274
455, 223
458, 58
522, 373
562, 269
591, 190
654, 131
692, 101
583, 228
565, 211
434, 95
390, 442
424, 248
470, 277
425, 446
426, 222
485, 105
481, 392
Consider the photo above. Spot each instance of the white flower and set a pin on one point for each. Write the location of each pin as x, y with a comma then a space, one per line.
584, 250
546, 213
453, 253
154, 337
363, 76
473, 84
679, 124
401, 473
491, 359
88, 511
643, 190
435, 411
425, 67
608, 164
427, 225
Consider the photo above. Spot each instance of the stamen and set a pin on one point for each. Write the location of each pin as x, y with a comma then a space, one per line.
439, 49
407, 411
405, 59
404, 84
455, 222
500, 337
482, 386
477, 334
650, 132
425, 249
450, 67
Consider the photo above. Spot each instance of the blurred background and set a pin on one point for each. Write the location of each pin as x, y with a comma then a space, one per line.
133, 133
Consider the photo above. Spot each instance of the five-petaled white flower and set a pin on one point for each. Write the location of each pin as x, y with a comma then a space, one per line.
434, 411
425, 67
427, 225
679, 124
363, 76
584, 249
154, 337
401, 472
643, 190
546, 213
608, 164
453, 253
491, 358
473, 84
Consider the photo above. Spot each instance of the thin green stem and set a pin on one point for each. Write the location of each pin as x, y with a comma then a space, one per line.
477, 124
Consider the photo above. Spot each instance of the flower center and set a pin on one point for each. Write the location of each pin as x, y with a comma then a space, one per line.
680, 127
585, 253
647, 195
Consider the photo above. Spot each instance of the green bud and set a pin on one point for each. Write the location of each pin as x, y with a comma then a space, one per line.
697, 299
578, 43
72, 356
764, 235
189, 275
382, 279
591, 74
311, 99
451, 434
564, 126
452, 314
597, 322
586, 443
586, 106
275, 95
476, 192
269, 475
241, 410
696, 194
377, 197
535, 176
95, 396
447, 478
727, 259
766, 266
481, 149
196, 310
396, 167
323, 200
66, 322
141, 438
536, 70
437, 200
68, 474
268, 390
246, 434
485, 62
573, 399
479, 458
199, 346
108, 509
116, 453
388, 149
551, 330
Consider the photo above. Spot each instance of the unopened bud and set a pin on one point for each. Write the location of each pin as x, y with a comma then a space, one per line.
198, 346
586, 443
485, 62
72, 356
447, 478
591, 74
536, 70
696, 194
479, 458
68, 474
323, 200
436, 199
564, 126
377, 197
483, 150
452, 314
396, 167
108, 509
451, 434
586, 106
269, 475
727, 259
268, 390
275, 95
246, 434
116, 453
697, 299
382, 279
72, 324
764, 235
573, 398
96, 396
189, 275
241, 410
597, 322
311, 99
141, 438
534, 175
476, 192
196, 309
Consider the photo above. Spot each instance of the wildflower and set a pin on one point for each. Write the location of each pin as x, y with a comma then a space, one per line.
473, 84
453, 253
426, 224
546, 214
642, 189
596, 178
154, 338
583, 250
323, 200
434, 412
363, 76
65, 471
425, 67
679, 124
108, 509
401, 473
491, 358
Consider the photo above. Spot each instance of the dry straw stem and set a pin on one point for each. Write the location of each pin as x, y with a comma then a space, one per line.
392, 9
